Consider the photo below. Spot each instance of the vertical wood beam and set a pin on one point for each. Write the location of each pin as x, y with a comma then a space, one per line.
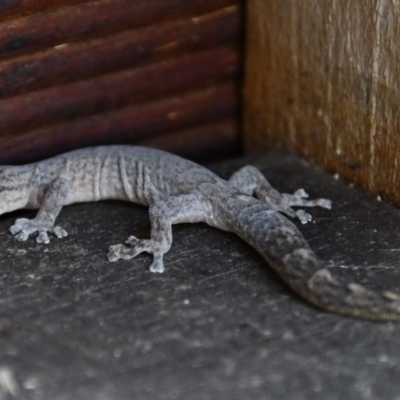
323, 79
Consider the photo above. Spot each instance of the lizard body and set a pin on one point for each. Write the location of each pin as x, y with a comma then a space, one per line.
177, 191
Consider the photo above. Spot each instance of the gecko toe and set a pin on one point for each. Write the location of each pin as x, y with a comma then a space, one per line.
132, 240
113, 253
18, 225
157, 267
22, 236
325, 203
43, 237
60, 232
303, 216
15, 229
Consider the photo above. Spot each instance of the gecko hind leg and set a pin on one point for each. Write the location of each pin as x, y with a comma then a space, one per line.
163, 214
251, 181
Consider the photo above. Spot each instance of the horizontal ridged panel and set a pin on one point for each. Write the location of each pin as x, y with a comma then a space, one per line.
131, 124
74, 61
17, 8
168, 69
114, 90
204, 142
92, 19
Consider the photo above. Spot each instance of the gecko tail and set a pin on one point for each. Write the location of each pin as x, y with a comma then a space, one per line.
304, 273
352, 299
288, 253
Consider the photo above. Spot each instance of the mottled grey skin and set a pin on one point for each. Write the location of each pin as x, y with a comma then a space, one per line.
178, 191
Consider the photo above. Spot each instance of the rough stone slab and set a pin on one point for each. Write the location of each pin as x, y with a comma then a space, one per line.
218, 324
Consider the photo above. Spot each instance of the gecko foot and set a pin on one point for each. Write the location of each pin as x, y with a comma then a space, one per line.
24, 227
122, 252
137, 246
298, 199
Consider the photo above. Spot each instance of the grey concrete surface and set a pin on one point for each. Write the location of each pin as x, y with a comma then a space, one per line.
218, 324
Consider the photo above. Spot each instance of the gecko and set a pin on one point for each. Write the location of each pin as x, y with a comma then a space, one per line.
176, 191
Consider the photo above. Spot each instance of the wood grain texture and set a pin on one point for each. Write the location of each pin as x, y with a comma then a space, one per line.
110, 91
78, 73
17, 8
131, 124
216, 140
94, 19
322, 79
132, 48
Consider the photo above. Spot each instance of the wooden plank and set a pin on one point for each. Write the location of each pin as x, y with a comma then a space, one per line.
74, 73
212, 141
323, 79
74, 61
89, 19
128, 125
17, 8
111, 91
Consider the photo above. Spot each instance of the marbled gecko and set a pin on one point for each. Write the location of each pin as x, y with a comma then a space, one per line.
177, 191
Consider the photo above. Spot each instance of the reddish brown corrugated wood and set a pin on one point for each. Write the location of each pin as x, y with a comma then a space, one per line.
118, 80
131, 124
129, 49
17, 8
117, 89
204, 142
93, 19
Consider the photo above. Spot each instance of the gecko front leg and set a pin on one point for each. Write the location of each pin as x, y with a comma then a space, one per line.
43, 223
163, 213
251, 181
